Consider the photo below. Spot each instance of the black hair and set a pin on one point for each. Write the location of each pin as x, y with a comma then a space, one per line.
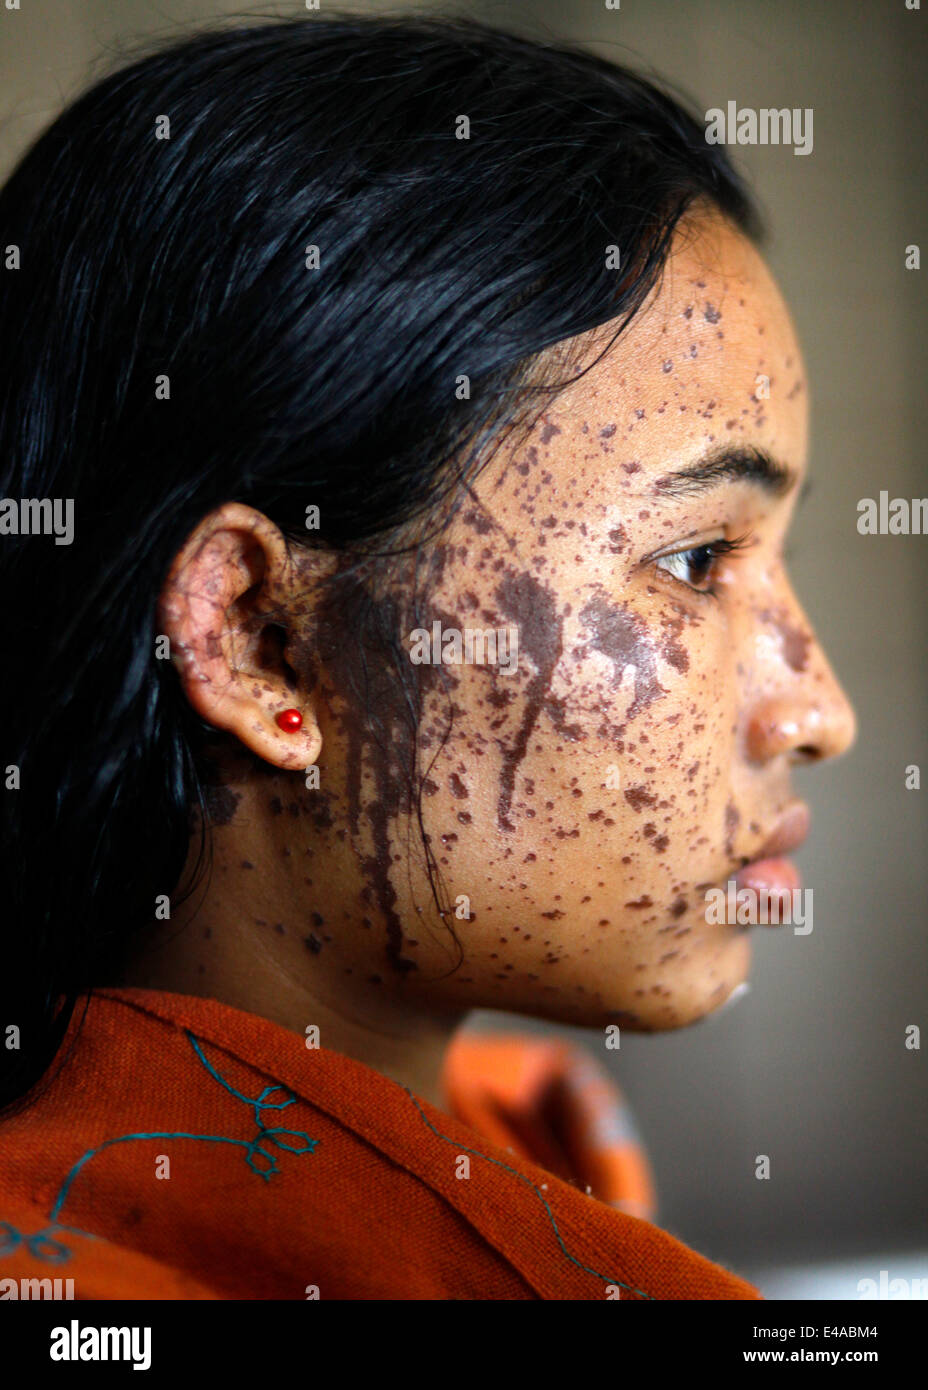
462, 187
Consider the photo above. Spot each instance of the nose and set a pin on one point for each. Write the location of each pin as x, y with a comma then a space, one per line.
803, 713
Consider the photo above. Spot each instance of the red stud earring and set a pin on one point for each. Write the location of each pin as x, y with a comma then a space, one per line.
290, 720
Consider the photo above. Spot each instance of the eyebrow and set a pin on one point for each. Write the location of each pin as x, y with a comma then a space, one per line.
747, 464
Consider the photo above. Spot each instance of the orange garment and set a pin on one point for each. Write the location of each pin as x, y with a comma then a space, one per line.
297, 1172
549, 1102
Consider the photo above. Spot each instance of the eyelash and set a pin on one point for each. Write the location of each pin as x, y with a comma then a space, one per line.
714, 550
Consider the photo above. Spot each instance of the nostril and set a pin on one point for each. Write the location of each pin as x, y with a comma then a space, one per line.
807, 753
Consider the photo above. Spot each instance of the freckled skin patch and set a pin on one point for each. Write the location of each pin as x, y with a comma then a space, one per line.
636, 700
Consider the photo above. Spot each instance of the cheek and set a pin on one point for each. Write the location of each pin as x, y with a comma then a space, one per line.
595, 788
576, 808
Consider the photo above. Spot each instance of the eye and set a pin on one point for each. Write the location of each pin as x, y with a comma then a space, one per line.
697, 566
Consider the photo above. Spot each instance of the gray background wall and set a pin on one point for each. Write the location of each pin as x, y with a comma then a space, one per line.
811, 1069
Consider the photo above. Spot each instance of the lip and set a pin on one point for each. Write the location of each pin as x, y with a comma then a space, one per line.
771, 879
790, 831
770, 875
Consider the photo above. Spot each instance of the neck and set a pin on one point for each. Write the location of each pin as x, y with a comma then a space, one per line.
239, 944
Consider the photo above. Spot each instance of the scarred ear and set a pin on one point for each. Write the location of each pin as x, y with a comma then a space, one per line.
226, 607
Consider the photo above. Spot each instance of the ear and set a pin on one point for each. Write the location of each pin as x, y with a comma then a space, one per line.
228, 607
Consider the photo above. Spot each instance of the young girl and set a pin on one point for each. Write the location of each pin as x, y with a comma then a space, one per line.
399, 434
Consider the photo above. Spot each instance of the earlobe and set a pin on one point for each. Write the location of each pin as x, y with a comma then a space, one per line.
233, 579
291, 748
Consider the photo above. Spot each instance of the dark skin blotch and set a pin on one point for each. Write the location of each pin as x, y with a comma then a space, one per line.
221, 804
531, 605
622, 637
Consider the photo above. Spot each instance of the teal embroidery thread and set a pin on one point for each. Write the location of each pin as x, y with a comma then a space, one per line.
461, 1148
43, 1246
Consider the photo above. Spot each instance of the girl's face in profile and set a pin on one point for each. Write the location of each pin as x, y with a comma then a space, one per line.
579, 807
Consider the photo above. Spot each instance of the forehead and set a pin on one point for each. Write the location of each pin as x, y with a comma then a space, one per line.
711, 360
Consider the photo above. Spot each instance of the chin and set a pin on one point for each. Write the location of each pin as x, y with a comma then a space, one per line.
678, 1001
